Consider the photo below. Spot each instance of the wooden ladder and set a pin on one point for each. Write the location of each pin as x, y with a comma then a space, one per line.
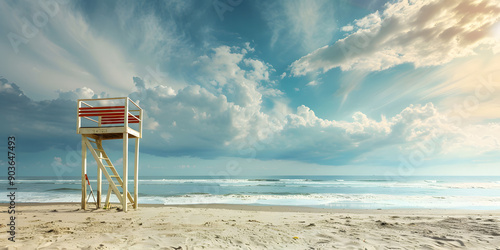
100, 155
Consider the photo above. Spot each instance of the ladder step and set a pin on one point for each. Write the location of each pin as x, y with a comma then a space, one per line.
103, 158
99, 149
107, 166
118, 185
114, 176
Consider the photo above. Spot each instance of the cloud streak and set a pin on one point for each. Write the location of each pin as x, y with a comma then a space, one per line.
309, 24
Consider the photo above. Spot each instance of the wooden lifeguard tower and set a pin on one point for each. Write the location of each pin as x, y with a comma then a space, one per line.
109, 119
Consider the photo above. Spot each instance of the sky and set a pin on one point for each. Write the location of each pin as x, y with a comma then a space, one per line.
245, 88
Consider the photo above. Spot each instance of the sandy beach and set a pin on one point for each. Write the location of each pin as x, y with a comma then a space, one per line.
66, 226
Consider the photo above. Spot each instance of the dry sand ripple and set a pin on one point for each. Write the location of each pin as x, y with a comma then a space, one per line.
64, 226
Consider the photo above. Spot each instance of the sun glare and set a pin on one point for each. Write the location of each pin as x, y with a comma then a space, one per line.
496, 30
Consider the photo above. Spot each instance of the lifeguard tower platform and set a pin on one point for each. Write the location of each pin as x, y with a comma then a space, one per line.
109, 119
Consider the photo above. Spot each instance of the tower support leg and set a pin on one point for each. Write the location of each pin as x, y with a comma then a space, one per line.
125, 172
84, 172
136, 174
99, 181
106, 204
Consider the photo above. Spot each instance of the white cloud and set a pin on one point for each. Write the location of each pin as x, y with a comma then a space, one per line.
249, 48
308, 136
79, 93
224, 111
369, 21
259, 72
196, 122
152, 124
312, 83
223, 72
164, 91
204, 123
347, 28
222, 67
8, 88
423, 33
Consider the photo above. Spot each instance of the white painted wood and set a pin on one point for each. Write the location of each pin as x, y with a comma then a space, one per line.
102, 130
102, 99
78, 120
125, 158
99, 180
125, 171
134, 133
134, 103
134, 116
84, 172
136, 174
82, 101
92, 119
106, 204
141, 114
109, 130
125, 114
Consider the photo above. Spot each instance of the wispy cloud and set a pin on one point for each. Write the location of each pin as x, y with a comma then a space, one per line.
315, 82
309, 24
80, 46
64, 54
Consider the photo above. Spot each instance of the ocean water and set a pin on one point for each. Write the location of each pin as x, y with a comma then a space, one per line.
360, 192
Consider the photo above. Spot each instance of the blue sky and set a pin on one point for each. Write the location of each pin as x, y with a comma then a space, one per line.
260, 87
